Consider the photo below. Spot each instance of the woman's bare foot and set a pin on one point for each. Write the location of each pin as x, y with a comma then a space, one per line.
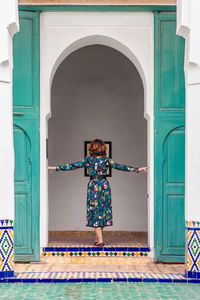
100, 244
99, 236
96, 241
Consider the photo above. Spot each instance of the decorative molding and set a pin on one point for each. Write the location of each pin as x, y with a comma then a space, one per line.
183, 31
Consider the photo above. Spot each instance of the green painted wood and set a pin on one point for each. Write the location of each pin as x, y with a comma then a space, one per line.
91, 8
23, 188
23, 85
172, 89
169, 137
26, 137
26, 69
173, 192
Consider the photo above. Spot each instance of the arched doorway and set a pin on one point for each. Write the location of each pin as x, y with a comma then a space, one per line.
61, 28
97, 92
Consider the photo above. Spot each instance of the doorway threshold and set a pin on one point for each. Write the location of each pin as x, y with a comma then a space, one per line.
78, 247
86, 238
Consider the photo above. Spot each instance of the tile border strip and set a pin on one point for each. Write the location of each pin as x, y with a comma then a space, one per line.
192, 224
6, 223
95, 254
31, 277
90, 251
92, 248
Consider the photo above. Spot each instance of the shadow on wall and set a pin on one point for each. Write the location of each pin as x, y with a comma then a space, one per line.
97, 93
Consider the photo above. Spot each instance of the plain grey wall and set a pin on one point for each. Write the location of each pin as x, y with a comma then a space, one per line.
97, 93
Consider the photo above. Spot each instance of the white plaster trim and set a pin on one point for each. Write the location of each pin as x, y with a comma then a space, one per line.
13, 17
8, 19
188, 27
188, 23
183, 31
62, 33
183, 18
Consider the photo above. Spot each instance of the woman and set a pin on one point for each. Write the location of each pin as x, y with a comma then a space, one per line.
99, 208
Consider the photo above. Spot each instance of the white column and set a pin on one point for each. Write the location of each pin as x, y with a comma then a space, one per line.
188, 24
8, 27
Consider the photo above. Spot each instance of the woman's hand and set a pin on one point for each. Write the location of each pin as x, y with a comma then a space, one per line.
51, 169
143, 169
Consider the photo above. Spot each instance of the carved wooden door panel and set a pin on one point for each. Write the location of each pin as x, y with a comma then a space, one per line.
169, 141
26, 111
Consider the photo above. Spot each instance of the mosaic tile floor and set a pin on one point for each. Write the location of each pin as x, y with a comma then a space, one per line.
97, 277
136, 267
89, 291
109, 270
137, 272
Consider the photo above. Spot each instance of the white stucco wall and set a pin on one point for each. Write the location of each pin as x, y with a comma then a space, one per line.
188, 26
97, 92
64, 32
9, 25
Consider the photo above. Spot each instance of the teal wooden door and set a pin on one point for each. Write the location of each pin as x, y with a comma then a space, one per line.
169, 141
26, 137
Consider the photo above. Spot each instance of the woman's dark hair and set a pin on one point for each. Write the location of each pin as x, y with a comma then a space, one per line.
97, 148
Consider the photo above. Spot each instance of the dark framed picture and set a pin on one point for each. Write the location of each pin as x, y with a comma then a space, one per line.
108, 153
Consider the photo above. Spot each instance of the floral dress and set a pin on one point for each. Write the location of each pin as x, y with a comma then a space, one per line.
99, 206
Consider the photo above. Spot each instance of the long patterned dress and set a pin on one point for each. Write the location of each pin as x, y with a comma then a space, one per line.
99, 206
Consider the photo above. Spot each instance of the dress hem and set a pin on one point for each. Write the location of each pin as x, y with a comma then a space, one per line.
98, 226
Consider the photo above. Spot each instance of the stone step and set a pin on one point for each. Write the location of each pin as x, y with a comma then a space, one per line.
85, 276
95, 255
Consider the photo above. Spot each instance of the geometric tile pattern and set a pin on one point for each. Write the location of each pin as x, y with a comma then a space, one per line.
91, 251
6, 248
193, 249
192, 224
97, 277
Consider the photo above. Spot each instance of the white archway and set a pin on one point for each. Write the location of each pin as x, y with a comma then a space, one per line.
61, 28
105, 41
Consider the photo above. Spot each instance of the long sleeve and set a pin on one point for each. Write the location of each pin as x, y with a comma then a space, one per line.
72, 166
122, 167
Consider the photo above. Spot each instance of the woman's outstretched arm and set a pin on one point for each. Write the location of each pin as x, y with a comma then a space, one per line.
70, 166
126, 168
122, 167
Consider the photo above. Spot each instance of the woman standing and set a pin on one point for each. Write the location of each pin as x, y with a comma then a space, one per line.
99, 206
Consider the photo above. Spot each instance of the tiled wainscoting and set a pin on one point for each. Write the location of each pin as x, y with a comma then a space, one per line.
192, 249
6, 248
90, 254
97, 251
